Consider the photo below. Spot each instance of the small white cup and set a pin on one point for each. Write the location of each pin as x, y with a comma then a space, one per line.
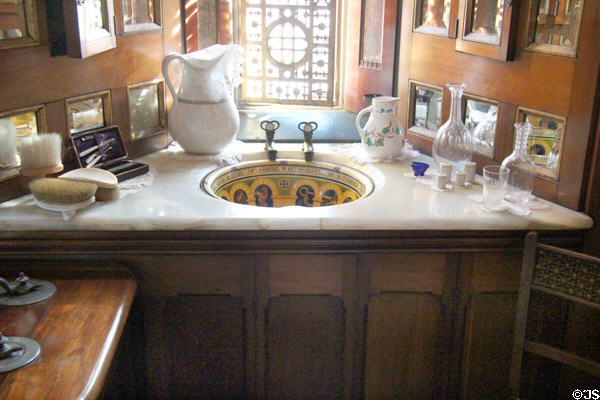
459, 178
446, 169
440, 181
470, 167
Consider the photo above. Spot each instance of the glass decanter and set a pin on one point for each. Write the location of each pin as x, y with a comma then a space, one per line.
521, 167
453, 142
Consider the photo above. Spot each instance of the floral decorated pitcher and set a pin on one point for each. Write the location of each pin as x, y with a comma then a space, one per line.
203, 118
382, 135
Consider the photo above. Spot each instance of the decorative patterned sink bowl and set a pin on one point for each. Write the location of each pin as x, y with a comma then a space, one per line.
287, 182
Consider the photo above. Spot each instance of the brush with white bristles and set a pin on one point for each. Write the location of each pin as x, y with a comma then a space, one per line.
40, 154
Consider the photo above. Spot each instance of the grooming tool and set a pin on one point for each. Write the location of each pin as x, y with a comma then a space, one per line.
108, 185
62, 195
40, 154
8, 144
96, 147
88, 151
91, 157
94, 161
107, 143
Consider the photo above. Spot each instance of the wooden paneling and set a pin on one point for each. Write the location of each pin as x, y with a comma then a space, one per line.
401, 346
408, 303
306, 324
304, 347
199, 322
537, 81
347, 315
488, 344
206, 346
558, 85
488, 285
359, 80
30, 76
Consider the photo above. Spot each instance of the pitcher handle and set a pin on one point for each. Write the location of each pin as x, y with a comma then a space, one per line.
358, 117
165, 69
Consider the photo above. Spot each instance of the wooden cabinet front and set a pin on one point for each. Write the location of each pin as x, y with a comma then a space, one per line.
422, 320
406, 301
329, 326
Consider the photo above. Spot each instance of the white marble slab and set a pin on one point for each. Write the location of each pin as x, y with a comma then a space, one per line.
175, 202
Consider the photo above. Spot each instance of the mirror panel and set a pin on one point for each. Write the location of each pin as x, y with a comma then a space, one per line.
480, 118
545, 140
554, 26
371, 38
484, 21
432, 16
94, 31
140, 15
18, 24
146, 108
425, 109
88, 112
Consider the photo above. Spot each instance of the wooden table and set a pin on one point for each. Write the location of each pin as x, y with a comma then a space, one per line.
78, 330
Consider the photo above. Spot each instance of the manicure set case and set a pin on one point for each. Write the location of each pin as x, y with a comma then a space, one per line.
104, 148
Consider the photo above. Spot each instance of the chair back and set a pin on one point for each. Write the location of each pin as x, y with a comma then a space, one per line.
564, 273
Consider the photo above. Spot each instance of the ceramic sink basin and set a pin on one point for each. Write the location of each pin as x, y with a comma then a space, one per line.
288, 182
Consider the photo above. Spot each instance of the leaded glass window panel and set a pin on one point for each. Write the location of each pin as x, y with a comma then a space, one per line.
289, 51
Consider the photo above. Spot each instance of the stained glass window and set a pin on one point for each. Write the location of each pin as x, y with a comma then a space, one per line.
289, 51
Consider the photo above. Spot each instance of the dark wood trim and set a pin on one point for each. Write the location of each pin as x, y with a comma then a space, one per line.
110, 243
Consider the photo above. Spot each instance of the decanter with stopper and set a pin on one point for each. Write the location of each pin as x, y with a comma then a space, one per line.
521, 175
453, 142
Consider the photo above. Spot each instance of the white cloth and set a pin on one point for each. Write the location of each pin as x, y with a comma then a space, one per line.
231, 155
357, 153
136, 184
521, 209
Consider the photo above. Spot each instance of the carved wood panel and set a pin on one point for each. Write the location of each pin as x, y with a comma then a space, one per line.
306, 324
304, 347
206, 345
401, 346
488, 344
408, 303
488, 284
198, 316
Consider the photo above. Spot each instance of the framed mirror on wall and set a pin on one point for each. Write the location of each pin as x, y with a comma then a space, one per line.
487, 28
425, 108
146, 108
371, 34
18, 24
141, 15
480, 117
433, 17
545, 140
88, 112
94, 30
553, 26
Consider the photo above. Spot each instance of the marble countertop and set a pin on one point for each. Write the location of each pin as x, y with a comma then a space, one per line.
173, 201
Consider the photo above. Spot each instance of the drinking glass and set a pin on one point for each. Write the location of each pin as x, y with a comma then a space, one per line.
494, 186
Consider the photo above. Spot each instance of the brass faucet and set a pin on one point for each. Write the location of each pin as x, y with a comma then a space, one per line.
307, 147
270, 127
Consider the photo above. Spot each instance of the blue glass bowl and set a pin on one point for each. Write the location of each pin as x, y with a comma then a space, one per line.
419, 168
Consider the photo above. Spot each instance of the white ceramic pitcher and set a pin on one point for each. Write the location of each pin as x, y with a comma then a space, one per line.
203, 118
382, 135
